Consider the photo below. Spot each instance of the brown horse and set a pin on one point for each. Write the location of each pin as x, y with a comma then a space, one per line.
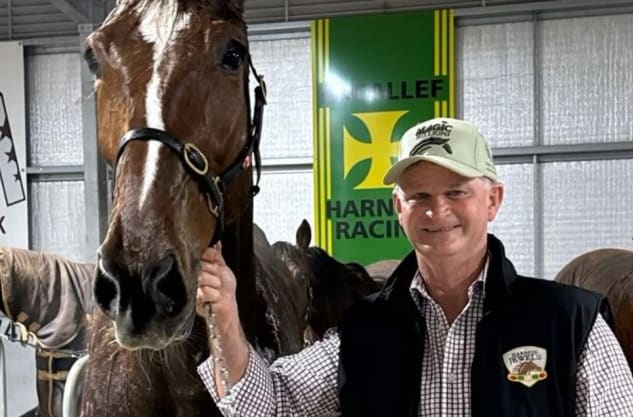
381, 270
173, 118
331, 286
609, 271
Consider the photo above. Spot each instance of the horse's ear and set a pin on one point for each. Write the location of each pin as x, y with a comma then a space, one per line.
304, 235
233, 6
237, 6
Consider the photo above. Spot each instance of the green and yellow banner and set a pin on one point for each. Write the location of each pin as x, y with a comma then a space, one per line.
373, 77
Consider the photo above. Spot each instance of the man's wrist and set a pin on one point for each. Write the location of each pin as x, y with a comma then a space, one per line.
229, 350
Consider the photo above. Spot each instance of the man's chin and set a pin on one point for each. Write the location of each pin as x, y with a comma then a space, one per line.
439, 248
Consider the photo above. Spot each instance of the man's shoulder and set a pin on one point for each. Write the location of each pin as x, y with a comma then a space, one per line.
556, 294
379, 308
370, 304
525, 283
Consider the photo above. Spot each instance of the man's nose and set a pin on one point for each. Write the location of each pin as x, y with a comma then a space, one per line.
437, 206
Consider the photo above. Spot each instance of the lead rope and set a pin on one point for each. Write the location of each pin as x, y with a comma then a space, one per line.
226, 403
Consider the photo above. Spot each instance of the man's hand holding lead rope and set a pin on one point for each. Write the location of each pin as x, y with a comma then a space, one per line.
216, 294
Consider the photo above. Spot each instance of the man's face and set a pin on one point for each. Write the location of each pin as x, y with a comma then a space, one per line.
443, 213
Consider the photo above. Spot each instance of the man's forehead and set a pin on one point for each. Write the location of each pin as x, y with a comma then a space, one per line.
433, 182
430, 170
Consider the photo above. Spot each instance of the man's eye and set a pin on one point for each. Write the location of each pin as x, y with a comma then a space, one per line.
417, 198
455, 193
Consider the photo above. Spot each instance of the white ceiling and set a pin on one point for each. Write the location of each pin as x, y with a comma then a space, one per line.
32, 19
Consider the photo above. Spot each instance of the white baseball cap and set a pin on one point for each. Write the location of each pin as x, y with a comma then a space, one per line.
453, 144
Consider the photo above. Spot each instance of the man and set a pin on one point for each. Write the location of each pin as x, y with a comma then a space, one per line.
455, 331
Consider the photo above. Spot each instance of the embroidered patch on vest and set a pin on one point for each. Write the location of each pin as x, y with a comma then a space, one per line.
526, 364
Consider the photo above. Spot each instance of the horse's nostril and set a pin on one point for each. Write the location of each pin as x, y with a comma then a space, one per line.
163, 284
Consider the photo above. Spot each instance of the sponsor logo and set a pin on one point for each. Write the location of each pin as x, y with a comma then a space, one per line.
526, 364
437, 130
379, 148
424, 146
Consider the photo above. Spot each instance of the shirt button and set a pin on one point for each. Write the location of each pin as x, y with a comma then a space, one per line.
451, 378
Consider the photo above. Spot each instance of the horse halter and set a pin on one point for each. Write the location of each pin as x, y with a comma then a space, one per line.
197, 165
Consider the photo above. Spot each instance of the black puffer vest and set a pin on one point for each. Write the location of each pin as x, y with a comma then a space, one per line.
382, 345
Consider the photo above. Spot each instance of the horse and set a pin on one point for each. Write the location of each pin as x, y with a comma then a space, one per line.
49, 300
609, 271
55, 320
174, 123
380, 271
332, 286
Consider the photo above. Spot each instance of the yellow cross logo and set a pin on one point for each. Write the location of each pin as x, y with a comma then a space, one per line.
379, 150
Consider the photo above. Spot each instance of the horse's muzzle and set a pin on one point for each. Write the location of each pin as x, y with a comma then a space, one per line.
136, 299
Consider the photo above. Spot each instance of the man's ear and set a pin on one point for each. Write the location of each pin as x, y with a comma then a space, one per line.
396, 200
495, 197
397, 203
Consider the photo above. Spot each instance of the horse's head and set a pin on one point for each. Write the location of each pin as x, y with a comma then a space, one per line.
294, 255
294, 258
334, 285
173, 120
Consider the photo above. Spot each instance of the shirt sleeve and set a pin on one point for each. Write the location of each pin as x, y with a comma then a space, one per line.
604, 385
303, 384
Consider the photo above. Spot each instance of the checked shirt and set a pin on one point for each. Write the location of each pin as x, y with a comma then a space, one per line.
305, 384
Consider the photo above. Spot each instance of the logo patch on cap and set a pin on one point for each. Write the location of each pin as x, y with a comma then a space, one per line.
434, 129
424, 145
526, 364
454, 144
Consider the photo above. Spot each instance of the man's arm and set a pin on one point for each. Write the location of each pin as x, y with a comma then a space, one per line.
296, 385
216, 294
604, 385
303, 384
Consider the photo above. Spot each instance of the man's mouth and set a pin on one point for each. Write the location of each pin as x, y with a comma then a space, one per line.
440, 229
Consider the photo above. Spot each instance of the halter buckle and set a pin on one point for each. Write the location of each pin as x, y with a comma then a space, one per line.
190, 154
215, 209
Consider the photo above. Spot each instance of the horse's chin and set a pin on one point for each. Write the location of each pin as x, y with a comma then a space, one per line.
157, 336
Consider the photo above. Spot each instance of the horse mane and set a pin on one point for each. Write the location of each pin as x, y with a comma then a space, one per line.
250, 256
222, 8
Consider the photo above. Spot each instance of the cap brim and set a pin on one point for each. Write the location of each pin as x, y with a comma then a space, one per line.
398, 168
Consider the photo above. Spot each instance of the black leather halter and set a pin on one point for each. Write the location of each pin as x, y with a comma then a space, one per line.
197, 165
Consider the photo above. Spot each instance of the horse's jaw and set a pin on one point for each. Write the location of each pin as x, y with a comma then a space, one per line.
149, 297
158, 335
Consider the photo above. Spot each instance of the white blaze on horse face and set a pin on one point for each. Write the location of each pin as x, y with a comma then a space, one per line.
159, 24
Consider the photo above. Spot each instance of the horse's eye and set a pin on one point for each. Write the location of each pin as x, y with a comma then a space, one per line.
234, 55
93, 63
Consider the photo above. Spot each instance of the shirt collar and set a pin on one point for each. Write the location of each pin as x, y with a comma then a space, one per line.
417, 284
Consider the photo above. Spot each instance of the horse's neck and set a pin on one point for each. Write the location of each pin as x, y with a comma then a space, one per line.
237, 248
264, 300
161, 382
